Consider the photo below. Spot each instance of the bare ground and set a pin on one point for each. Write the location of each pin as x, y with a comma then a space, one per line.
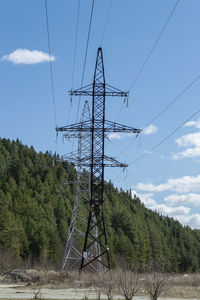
27, 284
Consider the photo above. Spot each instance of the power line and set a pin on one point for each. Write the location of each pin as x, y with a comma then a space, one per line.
154, 45
166, 138
75, 43
174, 100
141, 170
85, 59
50, 64
166, 108
75, 51
118, 176
124, 153
106, 22
150, 52
125, 149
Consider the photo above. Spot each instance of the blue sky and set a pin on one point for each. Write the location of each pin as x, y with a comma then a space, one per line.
167, 179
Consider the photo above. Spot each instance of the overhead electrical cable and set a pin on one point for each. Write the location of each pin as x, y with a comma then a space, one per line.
150, 52
154, 45
106, 21
127, 147
75, 51
124, 153
50, 63
75, 43
174, 100
114, 180
86, 52
167, 137
165, 109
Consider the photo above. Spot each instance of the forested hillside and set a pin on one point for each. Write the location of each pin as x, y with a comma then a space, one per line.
35, 212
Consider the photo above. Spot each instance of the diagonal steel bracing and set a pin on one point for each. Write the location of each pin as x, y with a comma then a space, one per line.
77, 228
96, 161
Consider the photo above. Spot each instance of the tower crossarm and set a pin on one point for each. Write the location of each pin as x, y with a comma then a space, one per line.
77, 127
117, 127
112, 162
76, 160
86, 161
109, 91
87, 127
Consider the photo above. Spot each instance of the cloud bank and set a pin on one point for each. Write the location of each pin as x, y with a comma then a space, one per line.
181, 213
192, 144
185, 184
184, 199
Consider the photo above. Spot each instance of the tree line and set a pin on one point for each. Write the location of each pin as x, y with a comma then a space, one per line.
35, 211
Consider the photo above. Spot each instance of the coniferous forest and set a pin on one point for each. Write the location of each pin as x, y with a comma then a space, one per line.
35, 211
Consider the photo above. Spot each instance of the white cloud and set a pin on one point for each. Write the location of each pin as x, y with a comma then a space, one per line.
26, 56
184, 184
115, 135
193, 124
145, 198
119, 136
192, 199
180, 213
171, 211
191, 220
150, 129
189, 153
192, 141
149, 187
148, 201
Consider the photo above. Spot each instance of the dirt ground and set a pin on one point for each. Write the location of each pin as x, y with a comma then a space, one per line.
34, 284
23, 292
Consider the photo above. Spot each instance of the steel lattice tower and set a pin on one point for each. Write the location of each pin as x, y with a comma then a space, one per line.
96, 160
77, 228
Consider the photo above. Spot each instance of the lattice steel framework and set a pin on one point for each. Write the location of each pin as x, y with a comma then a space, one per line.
96, 160
77, 228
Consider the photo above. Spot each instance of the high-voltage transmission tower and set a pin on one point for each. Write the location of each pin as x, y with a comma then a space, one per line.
96, 160
78, 224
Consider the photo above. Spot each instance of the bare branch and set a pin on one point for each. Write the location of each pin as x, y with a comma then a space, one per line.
156, 281
128, 282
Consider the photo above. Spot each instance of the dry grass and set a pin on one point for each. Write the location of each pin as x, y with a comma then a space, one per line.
184, 286
181, 286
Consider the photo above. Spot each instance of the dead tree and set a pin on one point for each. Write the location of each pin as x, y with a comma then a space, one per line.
109, 284
128, 282
105, 283
156, 281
